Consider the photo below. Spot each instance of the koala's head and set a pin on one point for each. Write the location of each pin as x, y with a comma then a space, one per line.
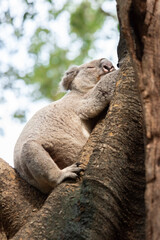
84, 77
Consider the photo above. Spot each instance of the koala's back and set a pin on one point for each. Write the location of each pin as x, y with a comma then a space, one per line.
58, 129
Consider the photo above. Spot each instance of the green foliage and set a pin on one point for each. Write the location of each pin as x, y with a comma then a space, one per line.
40, 38
85, 21
50, 55
48, 75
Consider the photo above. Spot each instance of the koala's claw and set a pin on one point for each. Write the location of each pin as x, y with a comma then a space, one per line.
78, 164
70, 172
74, 168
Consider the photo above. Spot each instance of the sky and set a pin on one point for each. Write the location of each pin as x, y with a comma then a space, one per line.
11, 127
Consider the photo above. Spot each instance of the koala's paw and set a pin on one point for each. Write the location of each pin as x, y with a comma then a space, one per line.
70, 172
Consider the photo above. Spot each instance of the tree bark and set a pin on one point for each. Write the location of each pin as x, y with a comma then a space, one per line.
19, 202
140, 24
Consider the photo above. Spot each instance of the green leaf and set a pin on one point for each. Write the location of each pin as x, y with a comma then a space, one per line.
20, 115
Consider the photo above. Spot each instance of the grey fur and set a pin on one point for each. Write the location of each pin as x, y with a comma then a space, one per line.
46, 151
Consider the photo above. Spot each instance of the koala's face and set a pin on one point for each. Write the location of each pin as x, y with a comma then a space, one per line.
95, 69
87, 75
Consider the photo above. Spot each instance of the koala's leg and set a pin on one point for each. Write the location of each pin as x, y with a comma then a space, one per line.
40, 170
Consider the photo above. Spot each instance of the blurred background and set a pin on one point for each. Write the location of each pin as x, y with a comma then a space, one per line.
39, 40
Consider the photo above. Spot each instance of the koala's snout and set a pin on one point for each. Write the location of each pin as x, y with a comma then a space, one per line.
107, 66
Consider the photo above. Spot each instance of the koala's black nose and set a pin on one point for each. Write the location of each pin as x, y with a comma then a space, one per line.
106, 65
108, 68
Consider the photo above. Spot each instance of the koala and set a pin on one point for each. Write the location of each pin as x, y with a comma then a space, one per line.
46, 151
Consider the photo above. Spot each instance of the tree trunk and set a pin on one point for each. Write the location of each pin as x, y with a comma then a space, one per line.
140, 24
108, 201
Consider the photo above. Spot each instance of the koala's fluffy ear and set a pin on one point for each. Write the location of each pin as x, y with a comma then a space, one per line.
66, 81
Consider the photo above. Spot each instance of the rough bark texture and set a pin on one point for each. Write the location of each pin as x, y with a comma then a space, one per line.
140, 24
19, 202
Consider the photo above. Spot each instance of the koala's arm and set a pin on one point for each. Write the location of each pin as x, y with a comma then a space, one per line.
95, 101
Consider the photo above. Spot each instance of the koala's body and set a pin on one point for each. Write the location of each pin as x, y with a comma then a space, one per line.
46, 151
